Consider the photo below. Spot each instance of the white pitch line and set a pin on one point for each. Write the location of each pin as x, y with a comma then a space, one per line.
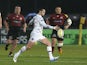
75, 61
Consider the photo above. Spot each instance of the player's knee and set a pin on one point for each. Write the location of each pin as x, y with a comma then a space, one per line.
60, 44
28, 47
9, 41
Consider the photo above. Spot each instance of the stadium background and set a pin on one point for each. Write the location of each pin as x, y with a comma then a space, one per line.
73, 54
75, 9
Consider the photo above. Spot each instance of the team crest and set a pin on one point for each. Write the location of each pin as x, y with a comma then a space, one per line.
61, 17
20, 18
57, 15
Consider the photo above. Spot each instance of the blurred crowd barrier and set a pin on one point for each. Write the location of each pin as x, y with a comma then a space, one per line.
71, 36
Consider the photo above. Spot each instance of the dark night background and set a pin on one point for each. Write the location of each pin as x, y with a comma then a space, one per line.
74, 8
68, 6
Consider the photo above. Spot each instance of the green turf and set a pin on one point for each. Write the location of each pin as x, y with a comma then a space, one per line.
72, 55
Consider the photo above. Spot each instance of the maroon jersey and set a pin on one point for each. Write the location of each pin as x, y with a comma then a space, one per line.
57, 19
15, 20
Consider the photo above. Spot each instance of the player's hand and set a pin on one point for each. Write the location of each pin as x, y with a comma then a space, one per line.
56, 27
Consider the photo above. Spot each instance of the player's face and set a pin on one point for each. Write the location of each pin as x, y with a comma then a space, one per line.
43, 12
58, 10
17, 10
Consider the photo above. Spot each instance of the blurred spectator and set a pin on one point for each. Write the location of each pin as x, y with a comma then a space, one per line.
30, 27
62, 21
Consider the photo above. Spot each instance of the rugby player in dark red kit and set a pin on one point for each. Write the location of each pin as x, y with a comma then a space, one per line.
61, 20
13, 24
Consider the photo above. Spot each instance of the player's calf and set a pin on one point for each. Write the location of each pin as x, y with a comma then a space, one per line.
60, 48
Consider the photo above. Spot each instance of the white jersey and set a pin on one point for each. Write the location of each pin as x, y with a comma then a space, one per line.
39, 23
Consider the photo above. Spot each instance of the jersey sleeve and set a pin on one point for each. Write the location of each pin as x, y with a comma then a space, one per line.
66, 15
42, 22
68, 20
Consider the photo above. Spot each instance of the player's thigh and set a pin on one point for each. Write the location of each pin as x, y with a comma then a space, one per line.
54, 36
34, 37
32, 40
45, 41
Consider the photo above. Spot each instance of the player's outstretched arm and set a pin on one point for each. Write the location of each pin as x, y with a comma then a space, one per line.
0, 21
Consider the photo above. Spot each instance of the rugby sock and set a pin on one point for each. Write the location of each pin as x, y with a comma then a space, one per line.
53, 49
60, 50
49, 49
20, 51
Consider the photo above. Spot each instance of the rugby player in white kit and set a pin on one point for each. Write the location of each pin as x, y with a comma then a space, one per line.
36, 35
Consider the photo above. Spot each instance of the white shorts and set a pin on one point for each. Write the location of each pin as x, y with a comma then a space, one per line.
34, 37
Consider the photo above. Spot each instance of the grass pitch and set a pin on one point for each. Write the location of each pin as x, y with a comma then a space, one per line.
37, 55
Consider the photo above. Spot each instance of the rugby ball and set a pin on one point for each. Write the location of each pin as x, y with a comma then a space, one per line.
69, 21
60, 33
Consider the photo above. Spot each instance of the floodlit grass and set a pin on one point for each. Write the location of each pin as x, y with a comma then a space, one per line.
37, 55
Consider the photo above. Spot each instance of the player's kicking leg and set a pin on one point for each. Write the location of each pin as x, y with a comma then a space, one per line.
49, 49
30, 44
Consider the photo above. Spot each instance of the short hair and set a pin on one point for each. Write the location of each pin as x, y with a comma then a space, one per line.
18, 6
58, 7
40, 9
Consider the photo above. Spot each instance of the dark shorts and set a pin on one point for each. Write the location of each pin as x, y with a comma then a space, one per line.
13, 33
54, 35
